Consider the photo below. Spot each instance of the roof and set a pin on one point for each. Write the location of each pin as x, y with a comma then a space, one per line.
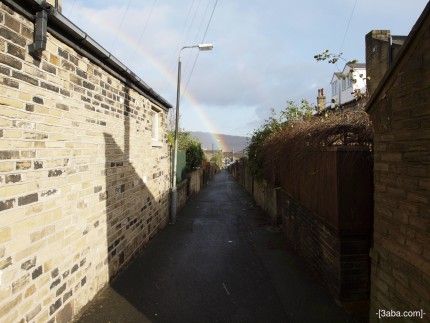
407, 46
338, 75
358, 65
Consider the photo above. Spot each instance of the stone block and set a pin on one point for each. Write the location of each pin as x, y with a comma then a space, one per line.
12, 36
55, 306
5, 263
30, 198
7, 306
32, 314
30, 291
20, 283
66, 313
27, 265
7, 204
37, 272
9, 82
13, 178
5, 233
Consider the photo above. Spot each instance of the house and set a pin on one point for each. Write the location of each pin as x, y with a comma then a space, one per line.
399, 108
85, 166
343, 86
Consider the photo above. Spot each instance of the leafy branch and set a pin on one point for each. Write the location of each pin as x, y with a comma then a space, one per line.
287, 118
332, 58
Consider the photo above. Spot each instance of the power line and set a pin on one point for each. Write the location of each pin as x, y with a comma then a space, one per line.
210, 20
173, 61
347, 27
120, 25
143, 31
201, 23
203, 39
71, 8
192, 21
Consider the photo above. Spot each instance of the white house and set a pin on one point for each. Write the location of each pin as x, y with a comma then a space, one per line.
343, 87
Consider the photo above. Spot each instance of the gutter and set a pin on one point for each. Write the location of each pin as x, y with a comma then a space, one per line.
67, 32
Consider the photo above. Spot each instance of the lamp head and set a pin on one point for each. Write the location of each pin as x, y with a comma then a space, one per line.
205, 46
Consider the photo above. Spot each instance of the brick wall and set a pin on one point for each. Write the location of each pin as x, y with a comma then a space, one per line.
400, 111
315, 240
341, 260
265, 195
82, 184
326, 217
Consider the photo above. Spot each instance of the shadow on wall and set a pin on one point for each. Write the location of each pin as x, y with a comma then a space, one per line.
133, 215
130, 208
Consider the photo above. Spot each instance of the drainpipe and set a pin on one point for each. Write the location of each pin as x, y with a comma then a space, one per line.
40, 29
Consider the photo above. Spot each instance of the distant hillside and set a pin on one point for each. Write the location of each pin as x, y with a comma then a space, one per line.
228, 143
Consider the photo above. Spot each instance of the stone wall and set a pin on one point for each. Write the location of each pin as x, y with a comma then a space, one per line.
195, 181
82, 184
265, 195
400, 112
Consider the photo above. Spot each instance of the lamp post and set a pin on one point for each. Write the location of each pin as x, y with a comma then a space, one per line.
175, 151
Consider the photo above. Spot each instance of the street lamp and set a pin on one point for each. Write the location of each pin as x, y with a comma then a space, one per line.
201, 47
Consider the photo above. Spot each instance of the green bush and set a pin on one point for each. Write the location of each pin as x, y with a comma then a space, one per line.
193, 150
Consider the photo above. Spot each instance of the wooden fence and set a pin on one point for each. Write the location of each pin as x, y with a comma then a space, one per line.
325, 206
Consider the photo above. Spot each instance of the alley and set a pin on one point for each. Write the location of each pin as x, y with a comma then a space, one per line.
221, 262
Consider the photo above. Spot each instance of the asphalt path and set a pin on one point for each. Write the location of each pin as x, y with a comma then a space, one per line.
220, 262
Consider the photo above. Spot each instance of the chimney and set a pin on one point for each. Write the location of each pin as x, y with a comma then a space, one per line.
378, 57
321, 100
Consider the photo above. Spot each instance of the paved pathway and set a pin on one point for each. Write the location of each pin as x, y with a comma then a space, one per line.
221, 262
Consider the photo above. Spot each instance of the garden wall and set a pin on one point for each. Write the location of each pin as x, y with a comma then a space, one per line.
325, 208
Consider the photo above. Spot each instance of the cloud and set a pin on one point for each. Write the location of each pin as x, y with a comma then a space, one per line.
263, 51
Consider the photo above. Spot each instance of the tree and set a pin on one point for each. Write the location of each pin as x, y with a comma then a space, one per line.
193, 151
217, 158
294, 113
194, 155
288, 117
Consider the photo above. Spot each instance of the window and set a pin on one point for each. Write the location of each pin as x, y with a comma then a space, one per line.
155, 130
344, 84
334, 88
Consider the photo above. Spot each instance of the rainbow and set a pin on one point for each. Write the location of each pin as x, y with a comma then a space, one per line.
126, 38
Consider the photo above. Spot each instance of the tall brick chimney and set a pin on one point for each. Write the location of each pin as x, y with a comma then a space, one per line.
381, 49
378, 52
321, 100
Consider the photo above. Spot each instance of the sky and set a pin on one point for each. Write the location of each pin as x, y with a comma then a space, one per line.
263, 53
